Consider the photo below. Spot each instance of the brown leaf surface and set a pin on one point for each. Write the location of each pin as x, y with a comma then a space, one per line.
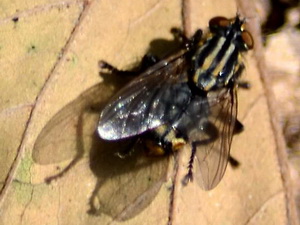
283, 64
56, 47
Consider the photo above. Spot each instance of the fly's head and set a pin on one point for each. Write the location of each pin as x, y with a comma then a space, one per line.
232, 28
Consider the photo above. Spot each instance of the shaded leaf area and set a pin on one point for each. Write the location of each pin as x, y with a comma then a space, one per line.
126, 184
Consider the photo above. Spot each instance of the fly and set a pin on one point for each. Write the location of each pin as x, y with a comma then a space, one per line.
188, 98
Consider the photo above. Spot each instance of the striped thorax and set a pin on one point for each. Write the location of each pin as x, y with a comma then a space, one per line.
218, 59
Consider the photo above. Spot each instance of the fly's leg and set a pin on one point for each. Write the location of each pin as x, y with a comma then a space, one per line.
189, 176
187, 42
103, 65
195, 38
147, 61
179, 35
213, 133
128, 150
244, 85
241, 84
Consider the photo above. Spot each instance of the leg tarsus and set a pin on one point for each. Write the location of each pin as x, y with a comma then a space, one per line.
105, 65
196, 37
187, 42
189, 176
179, 35
244, 85
147, 61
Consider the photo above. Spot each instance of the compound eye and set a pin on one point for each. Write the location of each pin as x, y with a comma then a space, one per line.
218, 22
247, 38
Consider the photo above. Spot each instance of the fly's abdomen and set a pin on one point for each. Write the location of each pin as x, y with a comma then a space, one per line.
164, 139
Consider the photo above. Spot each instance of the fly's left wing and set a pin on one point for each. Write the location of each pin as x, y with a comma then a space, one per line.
150, 100
209, 124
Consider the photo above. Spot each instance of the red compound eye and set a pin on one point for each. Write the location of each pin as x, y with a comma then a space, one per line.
219, 21
247, 38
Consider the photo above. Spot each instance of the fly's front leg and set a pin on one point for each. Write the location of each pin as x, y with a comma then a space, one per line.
103, 65
187, 42
147, 61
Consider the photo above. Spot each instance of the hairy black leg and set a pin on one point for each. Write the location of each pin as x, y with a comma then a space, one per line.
187, 42
103, 65
189, 176
147, 61
179, 35
213, 134
196, 38
244, 85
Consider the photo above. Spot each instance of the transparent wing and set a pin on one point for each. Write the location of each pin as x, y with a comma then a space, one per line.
209, 124
154, 98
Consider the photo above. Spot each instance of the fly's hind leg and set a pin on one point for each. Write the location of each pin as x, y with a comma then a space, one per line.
189, 176
213, 134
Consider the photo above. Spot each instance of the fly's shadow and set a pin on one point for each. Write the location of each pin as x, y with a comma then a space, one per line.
125, 186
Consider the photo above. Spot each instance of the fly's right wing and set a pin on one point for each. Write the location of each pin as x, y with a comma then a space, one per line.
154, 98
209, 125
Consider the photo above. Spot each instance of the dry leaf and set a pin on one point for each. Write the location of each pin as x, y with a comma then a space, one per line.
56, 47
283, 63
